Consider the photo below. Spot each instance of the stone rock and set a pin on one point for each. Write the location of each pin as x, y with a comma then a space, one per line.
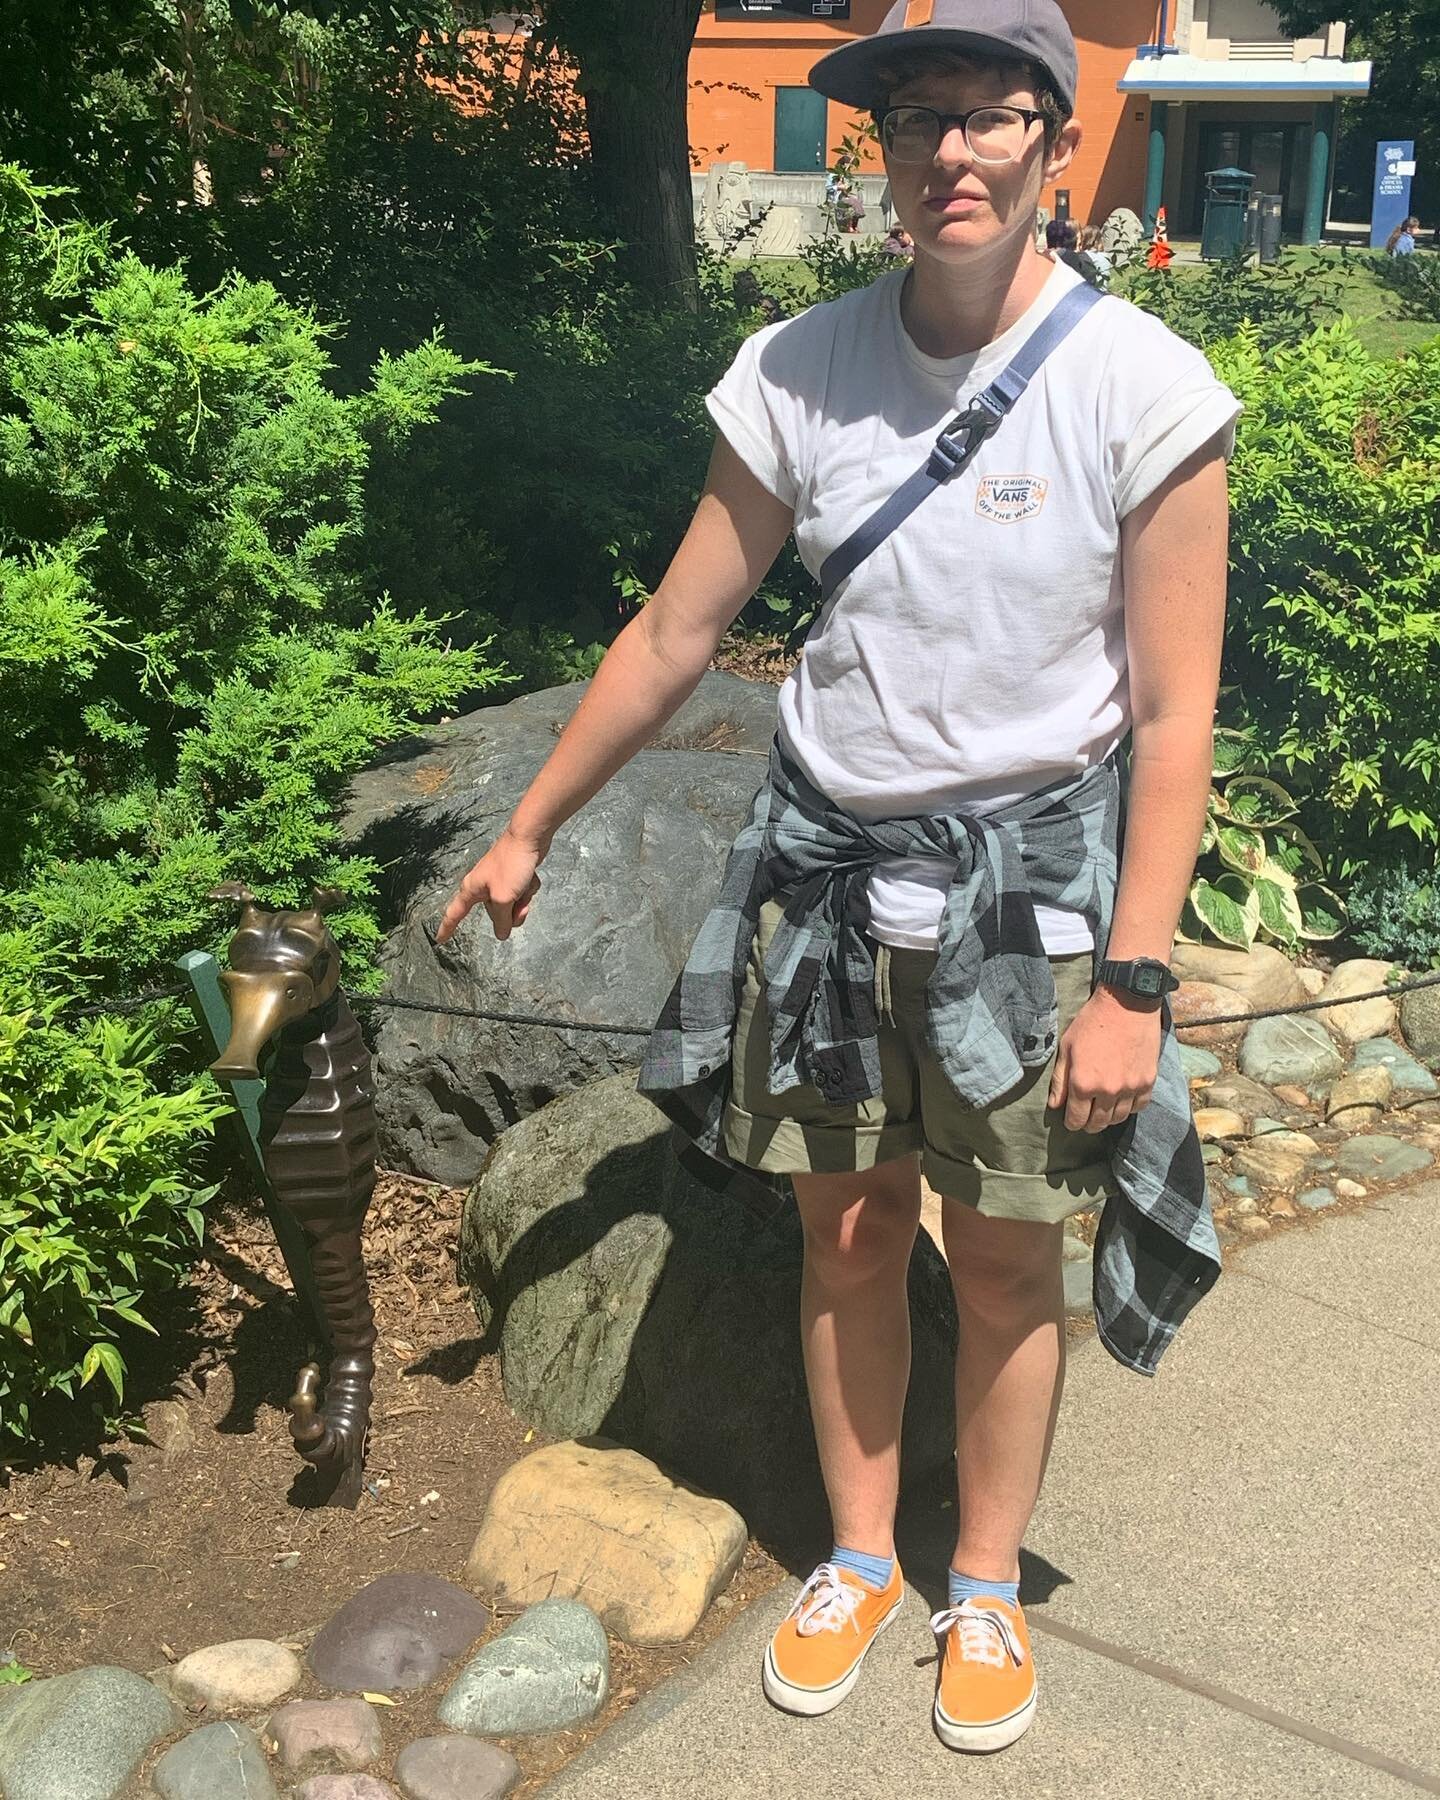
1408, 1075
1282, 1137
599, 1523
635, 1291
1198, 1064
455, 1768
1254, 1227
343, 1731
1350, 1190
1239, 1093
1214, 1123
1317, 1198
1312, 980
167, 1425
1289, 1049
627, 883
1283, 1207
1293, 1096
1203, 1000
1238, 1184
222, 1761
546, 1672
1262, 975
236, 1677
397, 1633
1211, 1154
1245, 1206
1357, 1100
1420, 1021
345, 1787
79, 1736
1270, 1164
1382, 1158
1122, 232
1360, 1019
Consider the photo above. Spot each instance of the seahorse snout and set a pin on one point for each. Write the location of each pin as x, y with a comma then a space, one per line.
261, 1003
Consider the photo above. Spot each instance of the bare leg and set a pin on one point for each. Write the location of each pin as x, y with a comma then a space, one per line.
1009, 1376
855, 1322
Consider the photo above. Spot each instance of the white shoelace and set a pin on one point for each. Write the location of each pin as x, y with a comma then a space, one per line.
825, 1603
986, 1633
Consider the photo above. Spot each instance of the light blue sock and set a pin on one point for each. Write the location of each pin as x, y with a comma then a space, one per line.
874, 1571
963, 1587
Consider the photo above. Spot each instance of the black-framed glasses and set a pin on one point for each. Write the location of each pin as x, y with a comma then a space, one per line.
995, 134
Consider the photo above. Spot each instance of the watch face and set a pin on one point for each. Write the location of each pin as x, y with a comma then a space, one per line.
1148, 980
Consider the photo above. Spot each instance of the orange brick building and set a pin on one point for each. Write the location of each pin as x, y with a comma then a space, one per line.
749, 101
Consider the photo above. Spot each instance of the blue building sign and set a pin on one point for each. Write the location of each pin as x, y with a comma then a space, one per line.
1394, 169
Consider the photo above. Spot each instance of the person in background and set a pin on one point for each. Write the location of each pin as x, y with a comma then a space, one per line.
1401, 241
899, 243
1060, 236
1092, 244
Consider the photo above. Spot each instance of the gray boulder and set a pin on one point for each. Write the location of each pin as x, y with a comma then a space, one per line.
636, 1288
79, 1736
625, 887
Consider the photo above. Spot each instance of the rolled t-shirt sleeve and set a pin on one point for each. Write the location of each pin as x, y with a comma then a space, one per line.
760, 405
1191, 408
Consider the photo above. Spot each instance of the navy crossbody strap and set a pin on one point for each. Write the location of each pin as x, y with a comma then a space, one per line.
962, 437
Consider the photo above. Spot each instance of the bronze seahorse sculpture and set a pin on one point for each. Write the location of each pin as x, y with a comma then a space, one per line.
317, 1138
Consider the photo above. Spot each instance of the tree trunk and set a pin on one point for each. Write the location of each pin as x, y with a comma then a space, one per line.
634, 60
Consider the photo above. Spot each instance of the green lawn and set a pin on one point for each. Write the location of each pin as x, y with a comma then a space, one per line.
1376, 309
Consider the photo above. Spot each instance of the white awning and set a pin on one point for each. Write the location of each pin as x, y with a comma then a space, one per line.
1209, 78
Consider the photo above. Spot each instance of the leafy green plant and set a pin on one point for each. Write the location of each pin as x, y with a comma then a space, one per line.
192, 659
1280, 302
1334, 628
1417, 281
1258, 874
1395, 913
101, 1204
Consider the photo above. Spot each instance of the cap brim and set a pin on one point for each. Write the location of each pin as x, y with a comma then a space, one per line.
851, 73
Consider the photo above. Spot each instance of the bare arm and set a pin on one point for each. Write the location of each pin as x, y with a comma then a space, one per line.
1174, 548
648, 673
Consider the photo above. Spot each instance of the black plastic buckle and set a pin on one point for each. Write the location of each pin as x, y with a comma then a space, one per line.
962, 437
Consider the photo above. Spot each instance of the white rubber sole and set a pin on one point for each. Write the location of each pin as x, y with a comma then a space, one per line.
811, 1703
994, 1736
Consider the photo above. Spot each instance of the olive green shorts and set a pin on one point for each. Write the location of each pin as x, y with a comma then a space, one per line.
1013, 1159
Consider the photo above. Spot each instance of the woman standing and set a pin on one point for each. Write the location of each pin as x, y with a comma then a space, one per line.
928, 952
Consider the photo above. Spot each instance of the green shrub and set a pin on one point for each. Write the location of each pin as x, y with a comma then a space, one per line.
1334, 630
100, 1195
1395, 913
192, 658
1281, 302
1417, 281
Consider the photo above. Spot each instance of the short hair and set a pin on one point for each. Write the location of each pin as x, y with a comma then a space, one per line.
910, 65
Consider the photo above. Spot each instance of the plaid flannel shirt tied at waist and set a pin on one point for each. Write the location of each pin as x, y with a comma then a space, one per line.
990, 1004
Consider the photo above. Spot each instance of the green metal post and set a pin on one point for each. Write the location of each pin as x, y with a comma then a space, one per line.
202, 971
1155, 165
1318, 192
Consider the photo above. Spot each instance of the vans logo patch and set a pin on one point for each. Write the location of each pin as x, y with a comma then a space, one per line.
1010, 498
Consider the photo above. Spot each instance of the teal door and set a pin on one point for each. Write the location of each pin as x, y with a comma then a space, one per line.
799, 129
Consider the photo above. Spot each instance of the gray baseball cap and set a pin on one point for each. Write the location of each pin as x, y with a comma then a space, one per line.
1033, 31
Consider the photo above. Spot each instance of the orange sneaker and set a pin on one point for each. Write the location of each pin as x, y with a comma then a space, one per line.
986, 1694
814, 1659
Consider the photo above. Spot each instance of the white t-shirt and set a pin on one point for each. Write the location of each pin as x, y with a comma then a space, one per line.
979, 653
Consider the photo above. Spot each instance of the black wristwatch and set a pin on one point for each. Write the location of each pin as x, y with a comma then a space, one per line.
1142, 975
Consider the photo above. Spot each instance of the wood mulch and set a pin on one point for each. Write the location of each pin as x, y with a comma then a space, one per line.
136, 1553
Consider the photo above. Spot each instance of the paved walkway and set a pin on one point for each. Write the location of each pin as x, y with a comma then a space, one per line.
1232, 1580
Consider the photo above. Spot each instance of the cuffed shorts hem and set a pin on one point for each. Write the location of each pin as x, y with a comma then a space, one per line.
788, 1147
1006, 1194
